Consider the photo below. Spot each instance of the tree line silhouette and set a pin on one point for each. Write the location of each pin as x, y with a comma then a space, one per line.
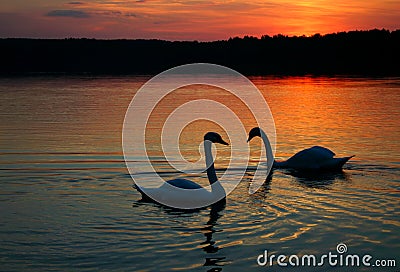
371, 52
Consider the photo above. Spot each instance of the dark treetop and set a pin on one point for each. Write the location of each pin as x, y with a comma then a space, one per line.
370, 53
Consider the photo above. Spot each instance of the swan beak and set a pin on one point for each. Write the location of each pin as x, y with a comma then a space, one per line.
223, 142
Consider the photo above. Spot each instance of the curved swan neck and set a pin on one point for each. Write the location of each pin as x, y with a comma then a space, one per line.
212, 176
268, 149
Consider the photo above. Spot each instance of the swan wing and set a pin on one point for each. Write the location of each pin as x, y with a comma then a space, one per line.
184, 184
317, 153
310, 158
321, 152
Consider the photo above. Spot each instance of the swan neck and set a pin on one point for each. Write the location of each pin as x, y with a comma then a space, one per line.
212, 176
268, 149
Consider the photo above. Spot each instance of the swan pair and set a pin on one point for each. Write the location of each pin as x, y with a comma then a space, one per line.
314, 158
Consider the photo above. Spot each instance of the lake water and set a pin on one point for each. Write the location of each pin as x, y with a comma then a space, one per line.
67, 201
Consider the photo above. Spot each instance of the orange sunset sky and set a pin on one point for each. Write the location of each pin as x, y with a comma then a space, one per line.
191, 19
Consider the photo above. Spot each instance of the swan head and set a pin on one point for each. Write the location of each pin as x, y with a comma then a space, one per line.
254, 132
215, 138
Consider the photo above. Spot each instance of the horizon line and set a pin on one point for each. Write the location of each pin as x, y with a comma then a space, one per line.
194, 40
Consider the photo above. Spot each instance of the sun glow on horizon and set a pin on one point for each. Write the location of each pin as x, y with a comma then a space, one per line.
192, 20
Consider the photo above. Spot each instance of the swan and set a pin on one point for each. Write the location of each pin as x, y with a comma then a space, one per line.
313, 158
181, 198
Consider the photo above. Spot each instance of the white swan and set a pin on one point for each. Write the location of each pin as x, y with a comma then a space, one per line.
314, 158
172, 189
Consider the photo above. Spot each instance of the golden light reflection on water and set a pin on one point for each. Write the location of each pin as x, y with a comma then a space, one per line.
63, 174
323, 111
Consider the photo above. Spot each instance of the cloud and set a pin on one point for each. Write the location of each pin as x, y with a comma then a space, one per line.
108, 13
130, 14
75, 3
68, 13
114, 13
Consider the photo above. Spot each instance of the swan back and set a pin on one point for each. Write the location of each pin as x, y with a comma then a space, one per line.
310, 158
183, 183
315, 158
321, 152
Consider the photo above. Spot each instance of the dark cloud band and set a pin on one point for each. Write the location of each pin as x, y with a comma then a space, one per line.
68, 13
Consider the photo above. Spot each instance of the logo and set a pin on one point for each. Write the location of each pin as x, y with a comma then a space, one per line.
333, 259
149, 97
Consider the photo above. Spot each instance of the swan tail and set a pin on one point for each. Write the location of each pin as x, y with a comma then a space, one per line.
342, 161
144, 196
334, 164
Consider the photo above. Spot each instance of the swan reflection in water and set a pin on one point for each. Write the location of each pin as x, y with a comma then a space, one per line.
318, 179
208, 245
208, 231
310, 179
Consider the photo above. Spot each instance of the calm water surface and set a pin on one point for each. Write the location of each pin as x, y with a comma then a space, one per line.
67, 201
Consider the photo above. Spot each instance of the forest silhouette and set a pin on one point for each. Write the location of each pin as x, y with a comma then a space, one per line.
369, 53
